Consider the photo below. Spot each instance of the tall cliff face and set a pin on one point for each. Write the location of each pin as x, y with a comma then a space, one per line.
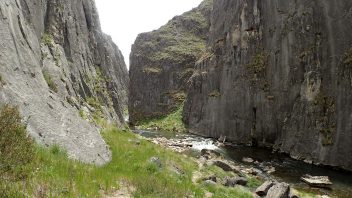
56, 64
280, 75
162, 62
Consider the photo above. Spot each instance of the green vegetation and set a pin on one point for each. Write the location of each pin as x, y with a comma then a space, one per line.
181, 41
214, 94
82, 114
97, 113
171, 122
33, 171
52, 85
47, 39
152, 70
57, 176
258, 64
326, 123
16, 149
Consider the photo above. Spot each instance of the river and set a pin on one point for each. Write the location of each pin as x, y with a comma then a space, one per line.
286, 169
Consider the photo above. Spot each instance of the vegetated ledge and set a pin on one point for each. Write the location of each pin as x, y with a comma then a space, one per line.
170, 123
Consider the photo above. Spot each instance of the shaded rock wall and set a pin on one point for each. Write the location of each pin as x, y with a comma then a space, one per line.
63, 72
279, 75
162, 62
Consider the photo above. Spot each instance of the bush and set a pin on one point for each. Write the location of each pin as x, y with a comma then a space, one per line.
16, 148
50, 82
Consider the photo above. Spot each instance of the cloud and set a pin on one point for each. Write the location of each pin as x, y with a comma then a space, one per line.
125, 19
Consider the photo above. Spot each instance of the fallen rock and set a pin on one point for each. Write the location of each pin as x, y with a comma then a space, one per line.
317, 181
210, 153
264, 188
231, 182
223, 165
211, 178
209, 182
247, 160
280, 190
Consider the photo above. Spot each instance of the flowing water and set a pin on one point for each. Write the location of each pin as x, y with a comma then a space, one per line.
287, 169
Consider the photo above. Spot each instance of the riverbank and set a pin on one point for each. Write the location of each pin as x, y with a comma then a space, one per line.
257, 163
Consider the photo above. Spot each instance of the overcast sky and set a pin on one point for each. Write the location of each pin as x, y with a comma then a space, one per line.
125, 19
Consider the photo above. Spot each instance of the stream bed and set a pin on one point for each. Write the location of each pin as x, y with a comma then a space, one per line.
286, 169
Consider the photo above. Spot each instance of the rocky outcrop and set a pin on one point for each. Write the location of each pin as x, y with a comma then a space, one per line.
162, 62
279, 74
63, 73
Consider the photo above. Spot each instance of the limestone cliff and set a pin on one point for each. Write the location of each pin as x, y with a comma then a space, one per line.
162, 62
279, 75
63, 73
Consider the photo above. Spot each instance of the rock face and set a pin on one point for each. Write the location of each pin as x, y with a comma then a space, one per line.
56, 64
279, 75
163, 60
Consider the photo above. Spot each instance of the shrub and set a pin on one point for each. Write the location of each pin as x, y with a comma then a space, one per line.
47, 39
50, 82
16, 148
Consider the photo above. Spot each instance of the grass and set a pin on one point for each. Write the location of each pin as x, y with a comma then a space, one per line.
214, 94
57, 176
34, 171
16, 149
52, 85
152, 70
171, 122
47, 39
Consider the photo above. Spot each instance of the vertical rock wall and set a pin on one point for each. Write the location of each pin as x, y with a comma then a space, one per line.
162, 62
279, 75
62, 72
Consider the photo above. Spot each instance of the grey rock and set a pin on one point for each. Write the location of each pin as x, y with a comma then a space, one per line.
162, 61
54, 61
211, 178
210, 153
280, 190
278, 75
231, 182
209, 182
264, 188
247, 160
223, 165
156, 161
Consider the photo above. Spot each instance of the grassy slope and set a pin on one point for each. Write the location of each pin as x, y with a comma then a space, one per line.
57, 176
171, 122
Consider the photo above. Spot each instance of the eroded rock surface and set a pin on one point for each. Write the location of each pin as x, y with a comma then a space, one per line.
162, 62
61, 70
278, 74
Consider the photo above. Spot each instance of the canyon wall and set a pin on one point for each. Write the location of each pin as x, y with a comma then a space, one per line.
63, 73
162, 62
278, 74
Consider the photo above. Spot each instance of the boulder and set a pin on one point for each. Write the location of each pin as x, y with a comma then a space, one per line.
317, 181
279, 190
247, 160
223, 165
209, 182
231, 182
211, 178
264, 188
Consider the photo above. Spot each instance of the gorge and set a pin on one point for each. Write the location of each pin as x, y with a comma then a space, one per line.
221, 101
274, 74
